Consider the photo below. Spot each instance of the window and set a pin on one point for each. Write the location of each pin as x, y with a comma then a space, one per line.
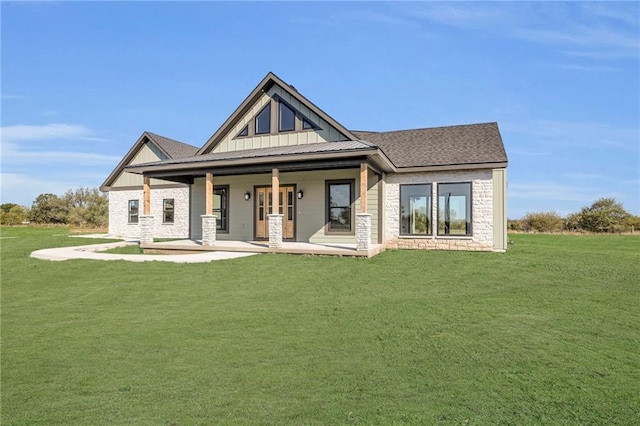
167, 210
454, 208
133, 211
263, 120
415, 209
220, 207
287, 119
290, 201
306, 124
339, 201
285, 115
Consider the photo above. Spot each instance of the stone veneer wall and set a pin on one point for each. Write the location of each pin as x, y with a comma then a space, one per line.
119, 215
481, 211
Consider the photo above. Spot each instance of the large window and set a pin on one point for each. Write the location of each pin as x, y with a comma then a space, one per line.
221, 207
167, 210
454, 208
287, 119
284, 115
339, 201
415, 209
133, 211
263, 120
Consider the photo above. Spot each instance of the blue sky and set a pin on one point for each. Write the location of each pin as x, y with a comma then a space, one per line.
82, 80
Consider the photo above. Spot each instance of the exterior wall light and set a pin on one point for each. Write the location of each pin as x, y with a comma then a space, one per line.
300, 194
247, 196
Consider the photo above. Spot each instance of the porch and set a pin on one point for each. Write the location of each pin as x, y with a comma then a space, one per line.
319, 199
191, 246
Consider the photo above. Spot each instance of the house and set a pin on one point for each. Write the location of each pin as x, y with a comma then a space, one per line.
431, 188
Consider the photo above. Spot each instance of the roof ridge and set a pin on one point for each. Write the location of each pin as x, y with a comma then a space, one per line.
363, 131
169, 139
429, 128
171, 147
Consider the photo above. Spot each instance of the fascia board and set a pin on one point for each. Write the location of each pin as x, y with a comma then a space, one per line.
151, 167
446, 167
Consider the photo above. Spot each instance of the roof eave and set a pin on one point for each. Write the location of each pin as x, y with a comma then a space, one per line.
155, 167
442, 167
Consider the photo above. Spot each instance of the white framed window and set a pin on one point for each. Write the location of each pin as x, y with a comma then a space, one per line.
168, 210
133, 211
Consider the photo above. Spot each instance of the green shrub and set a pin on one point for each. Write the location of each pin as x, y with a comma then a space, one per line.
542, 222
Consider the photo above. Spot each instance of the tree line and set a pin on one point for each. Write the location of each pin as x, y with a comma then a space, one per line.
605, 215
88, 207
84, 207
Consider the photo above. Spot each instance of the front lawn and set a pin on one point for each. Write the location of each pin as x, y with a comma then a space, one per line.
547, 333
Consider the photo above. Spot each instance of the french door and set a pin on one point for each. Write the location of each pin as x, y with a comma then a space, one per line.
264, 205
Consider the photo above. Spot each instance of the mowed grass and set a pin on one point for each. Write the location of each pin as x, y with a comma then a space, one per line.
548, 333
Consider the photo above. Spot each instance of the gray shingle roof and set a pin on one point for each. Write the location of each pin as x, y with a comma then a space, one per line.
440, 146
175, 149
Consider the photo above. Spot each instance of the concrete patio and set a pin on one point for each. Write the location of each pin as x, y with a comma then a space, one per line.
94, 252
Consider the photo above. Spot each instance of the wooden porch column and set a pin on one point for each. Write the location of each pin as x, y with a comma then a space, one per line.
208, 219
275, 190
275, 218
363, 187
145, 219
363, 219
208, 197
147, 196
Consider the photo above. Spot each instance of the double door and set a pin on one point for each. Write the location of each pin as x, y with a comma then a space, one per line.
264, 205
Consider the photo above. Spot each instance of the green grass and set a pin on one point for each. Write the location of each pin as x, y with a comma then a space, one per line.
547, 333
131, 249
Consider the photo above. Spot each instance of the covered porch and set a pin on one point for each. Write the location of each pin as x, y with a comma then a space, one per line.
329, 199
192, 246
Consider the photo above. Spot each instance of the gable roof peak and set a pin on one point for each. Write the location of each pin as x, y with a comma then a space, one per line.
170, 147
265, 84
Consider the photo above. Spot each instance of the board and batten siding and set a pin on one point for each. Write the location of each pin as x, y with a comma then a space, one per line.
310, 210
500, 209
326, 133
148, 153
239, 210
373, 205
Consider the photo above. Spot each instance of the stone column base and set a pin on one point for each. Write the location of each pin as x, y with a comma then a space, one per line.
146, 228
363, 231
275, 230
208, 230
